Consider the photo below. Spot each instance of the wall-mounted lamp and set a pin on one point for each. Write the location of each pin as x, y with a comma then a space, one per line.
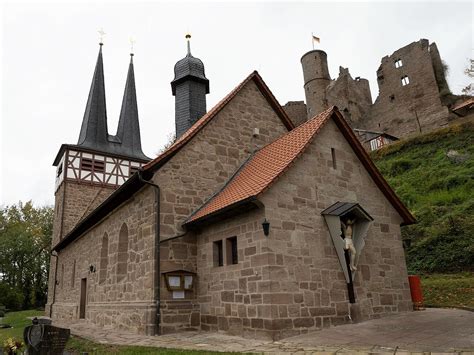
266, 227
91, 269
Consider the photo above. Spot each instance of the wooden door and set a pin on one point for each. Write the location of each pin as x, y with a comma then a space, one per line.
82, 306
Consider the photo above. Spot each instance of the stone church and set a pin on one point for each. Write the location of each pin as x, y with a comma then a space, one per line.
246, 224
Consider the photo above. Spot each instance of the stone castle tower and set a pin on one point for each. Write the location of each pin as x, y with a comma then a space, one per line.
351, 96
190, 87
316, 80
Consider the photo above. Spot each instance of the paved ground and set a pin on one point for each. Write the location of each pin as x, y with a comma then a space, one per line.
433, 330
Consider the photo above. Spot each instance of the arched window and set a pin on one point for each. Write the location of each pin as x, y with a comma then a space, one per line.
104, 258
122, 253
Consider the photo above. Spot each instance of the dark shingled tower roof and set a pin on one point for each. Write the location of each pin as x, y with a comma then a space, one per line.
94, 124
94, 134
189, 87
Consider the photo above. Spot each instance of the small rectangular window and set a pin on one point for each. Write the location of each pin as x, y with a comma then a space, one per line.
73, 273
232, 251
217, 251
333, 155
398, 63
405, 80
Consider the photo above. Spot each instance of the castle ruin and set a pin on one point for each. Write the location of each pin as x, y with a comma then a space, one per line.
413, 97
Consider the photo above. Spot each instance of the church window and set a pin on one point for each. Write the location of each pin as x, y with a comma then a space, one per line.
104, 258
122, 253
333, 155
218, 253
405, 80
88, 164
73, 273
232, 251
398, 63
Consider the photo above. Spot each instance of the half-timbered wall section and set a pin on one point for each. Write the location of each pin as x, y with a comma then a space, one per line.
94, 168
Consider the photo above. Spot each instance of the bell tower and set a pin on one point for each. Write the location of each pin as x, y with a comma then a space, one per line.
89, 171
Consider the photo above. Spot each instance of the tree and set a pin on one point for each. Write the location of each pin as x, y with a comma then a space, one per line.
469, 71
25, 240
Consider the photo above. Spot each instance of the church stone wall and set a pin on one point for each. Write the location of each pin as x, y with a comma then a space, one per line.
235, 297
194, 174
291, 281
114, 302
200, 168
311, 278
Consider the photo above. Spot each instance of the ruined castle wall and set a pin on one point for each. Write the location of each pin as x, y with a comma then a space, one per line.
352, 97
297, 111
403, 110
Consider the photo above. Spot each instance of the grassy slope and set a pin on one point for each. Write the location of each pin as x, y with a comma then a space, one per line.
453, 290
439, 192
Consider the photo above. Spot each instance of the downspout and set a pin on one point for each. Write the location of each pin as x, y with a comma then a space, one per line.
157, 280
55, 283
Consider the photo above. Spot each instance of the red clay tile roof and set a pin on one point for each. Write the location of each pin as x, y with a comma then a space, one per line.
191, 132
468, 102
272, 160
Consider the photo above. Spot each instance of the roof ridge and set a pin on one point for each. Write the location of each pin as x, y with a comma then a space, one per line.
323, 117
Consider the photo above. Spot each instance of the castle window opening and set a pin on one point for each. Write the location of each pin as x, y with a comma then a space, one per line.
218, 253
405, 80
333, 156
232, 252
398, 63
62, 275
392, 99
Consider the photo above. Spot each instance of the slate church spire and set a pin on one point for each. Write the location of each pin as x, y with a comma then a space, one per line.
128, 131
94, 133
189, 87
94, 124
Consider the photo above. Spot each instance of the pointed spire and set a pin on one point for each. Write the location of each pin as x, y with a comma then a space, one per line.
94, 124
128, 131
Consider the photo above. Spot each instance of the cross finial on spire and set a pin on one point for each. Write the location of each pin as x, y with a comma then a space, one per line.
188, 39
101, 36
132, 42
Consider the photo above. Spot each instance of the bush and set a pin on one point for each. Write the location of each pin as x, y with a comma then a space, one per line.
11, 298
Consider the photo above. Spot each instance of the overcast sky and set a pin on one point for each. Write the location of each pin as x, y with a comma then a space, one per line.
49, 52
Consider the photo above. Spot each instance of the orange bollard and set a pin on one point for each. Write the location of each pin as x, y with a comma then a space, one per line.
416, 293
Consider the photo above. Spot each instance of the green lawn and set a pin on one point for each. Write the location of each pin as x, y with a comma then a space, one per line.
75, 345
449, 290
